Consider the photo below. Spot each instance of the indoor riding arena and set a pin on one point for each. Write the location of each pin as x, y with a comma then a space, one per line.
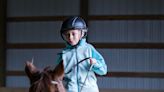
129, 34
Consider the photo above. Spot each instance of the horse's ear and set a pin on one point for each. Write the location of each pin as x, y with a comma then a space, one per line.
59, 70
30, 69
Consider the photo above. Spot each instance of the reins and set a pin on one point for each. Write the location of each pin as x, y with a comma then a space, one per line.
81, 61
87, 72
77, 64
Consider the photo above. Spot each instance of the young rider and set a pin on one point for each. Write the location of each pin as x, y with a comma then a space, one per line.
81, 60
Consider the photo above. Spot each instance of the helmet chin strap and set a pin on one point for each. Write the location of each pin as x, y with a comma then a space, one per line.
82, 33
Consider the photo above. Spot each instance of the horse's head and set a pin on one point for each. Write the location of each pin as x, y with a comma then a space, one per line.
47, 80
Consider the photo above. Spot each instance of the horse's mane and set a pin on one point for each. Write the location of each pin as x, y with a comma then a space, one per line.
41, 80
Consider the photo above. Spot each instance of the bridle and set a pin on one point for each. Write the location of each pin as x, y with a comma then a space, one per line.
54, 82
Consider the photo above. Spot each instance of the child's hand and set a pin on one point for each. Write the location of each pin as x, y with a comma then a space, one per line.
93, 61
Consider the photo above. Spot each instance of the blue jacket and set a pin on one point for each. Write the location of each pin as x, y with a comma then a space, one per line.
77, 74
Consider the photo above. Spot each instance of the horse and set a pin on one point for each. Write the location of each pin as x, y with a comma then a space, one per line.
46, 80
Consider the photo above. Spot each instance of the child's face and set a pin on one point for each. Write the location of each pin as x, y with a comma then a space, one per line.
72, 36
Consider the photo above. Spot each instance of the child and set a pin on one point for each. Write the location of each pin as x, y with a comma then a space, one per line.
81, 60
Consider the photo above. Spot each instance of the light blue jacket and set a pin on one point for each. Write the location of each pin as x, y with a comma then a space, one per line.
77, 74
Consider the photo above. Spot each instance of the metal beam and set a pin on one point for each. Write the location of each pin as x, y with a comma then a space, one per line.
2, 41
97, 45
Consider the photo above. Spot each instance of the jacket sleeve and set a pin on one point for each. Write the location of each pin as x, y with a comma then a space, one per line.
100, 67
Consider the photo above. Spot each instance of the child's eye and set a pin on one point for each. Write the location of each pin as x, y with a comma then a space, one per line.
67, 35
73, 34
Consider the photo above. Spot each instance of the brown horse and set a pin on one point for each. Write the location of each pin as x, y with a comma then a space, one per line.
47, 80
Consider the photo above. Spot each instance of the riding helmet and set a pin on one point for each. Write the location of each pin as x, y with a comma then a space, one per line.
73, 23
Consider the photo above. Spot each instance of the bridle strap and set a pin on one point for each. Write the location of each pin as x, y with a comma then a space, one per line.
54, 82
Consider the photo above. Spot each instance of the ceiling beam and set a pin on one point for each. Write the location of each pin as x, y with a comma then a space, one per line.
97, 45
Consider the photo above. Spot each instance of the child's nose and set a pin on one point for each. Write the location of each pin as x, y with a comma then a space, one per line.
70, 36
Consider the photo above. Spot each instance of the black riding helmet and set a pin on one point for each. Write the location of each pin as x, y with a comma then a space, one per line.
74, 23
